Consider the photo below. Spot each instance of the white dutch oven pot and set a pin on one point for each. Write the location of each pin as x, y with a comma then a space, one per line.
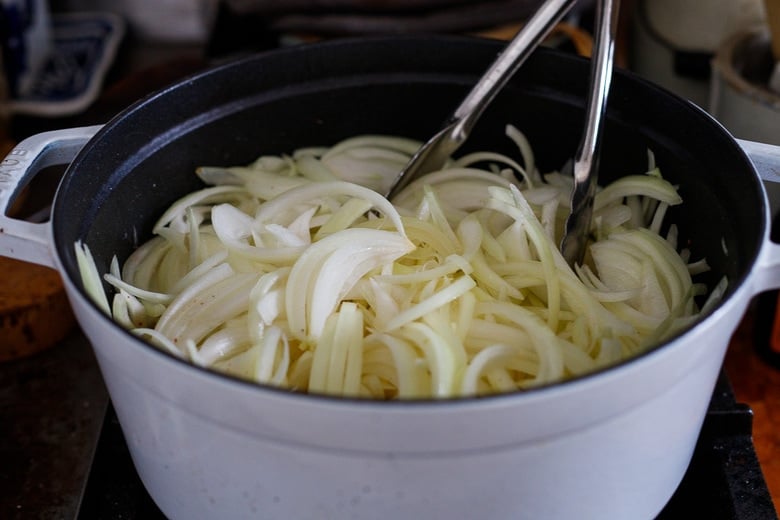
614, 444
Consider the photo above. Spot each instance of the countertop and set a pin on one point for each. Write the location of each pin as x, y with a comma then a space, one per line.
756, 383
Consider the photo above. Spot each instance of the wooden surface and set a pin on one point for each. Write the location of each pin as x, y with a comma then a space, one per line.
757, 384
34, 310
772, 8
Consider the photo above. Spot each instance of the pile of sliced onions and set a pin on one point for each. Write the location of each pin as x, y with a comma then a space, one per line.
294, 272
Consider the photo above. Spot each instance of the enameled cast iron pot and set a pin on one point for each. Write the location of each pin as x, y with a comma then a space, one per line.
614, 444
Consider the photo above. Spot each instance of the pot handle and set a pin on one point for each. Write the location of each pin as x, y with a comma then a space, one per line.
22, 239
766, 159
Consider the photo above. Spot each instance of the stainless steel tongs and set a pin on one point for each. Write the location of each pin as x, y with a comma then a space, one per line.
435, 152
586, 161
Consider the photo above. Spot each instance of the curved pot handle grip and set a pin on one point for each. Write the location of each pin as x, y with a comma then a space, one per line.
22, 239
766, 159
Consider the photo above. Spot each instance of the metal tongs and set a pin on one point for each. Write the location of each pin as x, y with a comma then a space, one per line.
435, 152
586, 162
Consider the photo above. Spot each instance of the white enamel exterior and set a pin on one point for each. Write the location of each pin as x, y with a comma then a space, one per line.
614, 445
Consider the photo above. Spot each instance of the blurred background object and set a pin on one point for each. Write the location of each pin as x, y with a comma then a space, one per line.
362, 17
741, 96
773, 23
674, 41
306, 20
25, 38
168, 21
717, 54
5, 112
55, 64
